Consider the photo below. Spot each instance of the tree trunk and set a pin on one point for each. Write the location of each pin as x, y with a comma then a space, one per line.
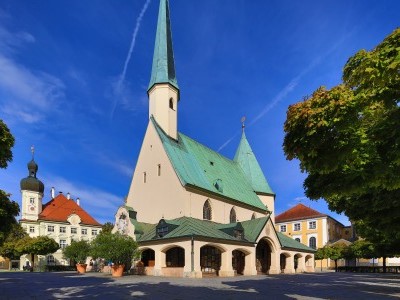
33, 262
384, 264
335, 265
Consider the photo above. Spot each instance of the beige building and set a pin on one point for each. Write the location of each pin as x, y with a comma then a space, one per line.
313, 229
61, 218
192, 210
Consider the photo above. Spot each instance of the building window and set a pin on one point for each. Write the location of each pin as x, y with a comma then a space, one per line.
159, 169
312, 242
63, 244
51, 260
207, 211
74, 230
84, 231
32, 200
238, 233
144, 177
32, 229
297, 239
63, 229
283, 228
171, 103
297, 227
253, 216
94, 232
232, 216
50, 228
312, 225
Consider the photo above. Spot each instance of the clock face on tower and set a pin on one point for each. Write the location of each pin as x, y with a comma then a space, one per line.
31, 207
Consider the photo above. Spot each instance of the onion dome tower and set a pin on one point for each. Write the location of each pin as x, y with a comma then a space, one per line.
32, 192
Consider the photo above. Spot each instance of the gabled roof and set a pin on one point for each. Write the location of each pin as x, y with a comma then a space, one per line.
290, 243
188, 227
247, 160
60, 208
200, 167
163, 70
298, 212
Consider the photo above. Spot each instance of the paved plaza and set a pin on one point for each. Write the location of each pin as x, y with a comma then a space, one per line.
24, 285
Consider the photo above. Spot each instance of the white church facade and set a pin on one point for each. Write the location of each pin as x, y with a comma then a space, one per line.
193, 211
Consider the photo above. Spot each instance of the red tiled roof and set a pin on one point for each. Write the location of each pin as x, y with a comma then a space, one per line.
60, 208
298, 212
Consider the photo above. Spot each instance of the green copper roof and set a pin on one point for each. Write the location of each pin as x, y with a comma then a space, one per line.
200, 167
163, 70
290, 243
188, 227
247, 160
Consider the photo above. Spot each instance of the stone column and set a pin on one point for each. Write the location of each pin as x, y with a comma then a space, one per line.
289, 269
159, 262
250, 264
226, 264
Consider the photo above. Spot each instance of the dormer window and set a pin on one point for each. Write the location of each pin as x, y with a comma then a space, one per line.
218, 185
239, 234
162, 229
171, 103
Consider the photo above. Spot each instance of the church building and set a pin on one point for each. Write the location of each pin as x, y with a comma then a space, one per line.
193, 211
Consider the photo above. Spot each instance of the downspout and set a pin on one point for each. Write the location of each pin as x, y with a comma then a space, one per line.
192, 253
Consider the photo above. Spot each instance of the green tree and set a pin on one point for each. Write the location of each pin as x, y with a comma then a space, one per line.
320, 254
107, 227
337, 251
41, 245
347, 139
6, 143
115, 247
77, 251
8, 211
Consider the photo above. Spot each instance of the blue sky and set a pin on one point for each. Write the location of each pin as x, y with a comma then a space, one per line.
60, 63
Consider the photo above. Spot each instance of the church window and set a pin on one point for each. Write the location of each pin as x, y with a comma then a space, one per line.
84, 231
283, 228
32, 200
50, 228
232, 216
63, 229
32, 229
171, 103
63, 244
144, 177
74, 230
312, 242
207, 210
253, 216
159, 169
296, 227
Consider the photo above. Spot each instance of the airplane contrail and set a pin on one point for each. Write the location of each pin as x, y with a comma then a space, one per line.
117, 90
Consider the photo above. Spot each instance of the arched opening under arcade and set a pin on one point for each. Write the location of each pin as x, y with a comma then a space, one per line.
148, 258
210, 260
263, 257
309, 263
175, 257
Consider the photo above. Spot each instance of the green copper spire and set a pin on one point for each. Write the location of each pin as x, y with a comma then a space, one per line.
163, 70
248, 162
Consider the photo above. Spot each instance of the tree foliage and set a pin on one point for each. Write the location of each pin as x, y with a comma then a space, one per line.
347, 139
8, 211
115, 247
41, 245
6, 143
77, 251
107, 227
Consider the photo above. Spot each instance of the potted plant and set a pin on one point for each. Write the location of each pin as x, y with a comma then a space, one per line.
116, 248
78, 251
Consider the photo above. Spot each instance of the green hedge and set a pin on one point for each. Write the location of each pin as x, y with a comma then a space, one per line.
59, 268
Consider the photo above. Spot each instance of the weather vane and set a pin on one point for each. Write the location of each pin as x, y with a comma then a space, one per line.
242, 121
33, 151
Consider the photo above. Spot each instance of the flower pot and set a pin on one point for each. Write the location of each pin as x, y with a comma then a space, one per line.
81, 268
117, 270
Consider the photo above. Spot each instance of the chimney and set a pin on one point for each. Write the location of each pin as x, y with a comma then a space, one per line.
68, 196
78, 201
53, 193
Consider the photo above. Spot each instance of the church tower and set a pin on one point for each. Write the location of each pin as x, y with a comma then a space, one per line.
32, 193
163, 88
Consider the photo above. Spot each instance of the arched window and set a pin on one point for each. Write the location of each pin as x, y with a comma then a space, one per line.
297, 239
312, 242
232, 216
171, 103
207, 210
